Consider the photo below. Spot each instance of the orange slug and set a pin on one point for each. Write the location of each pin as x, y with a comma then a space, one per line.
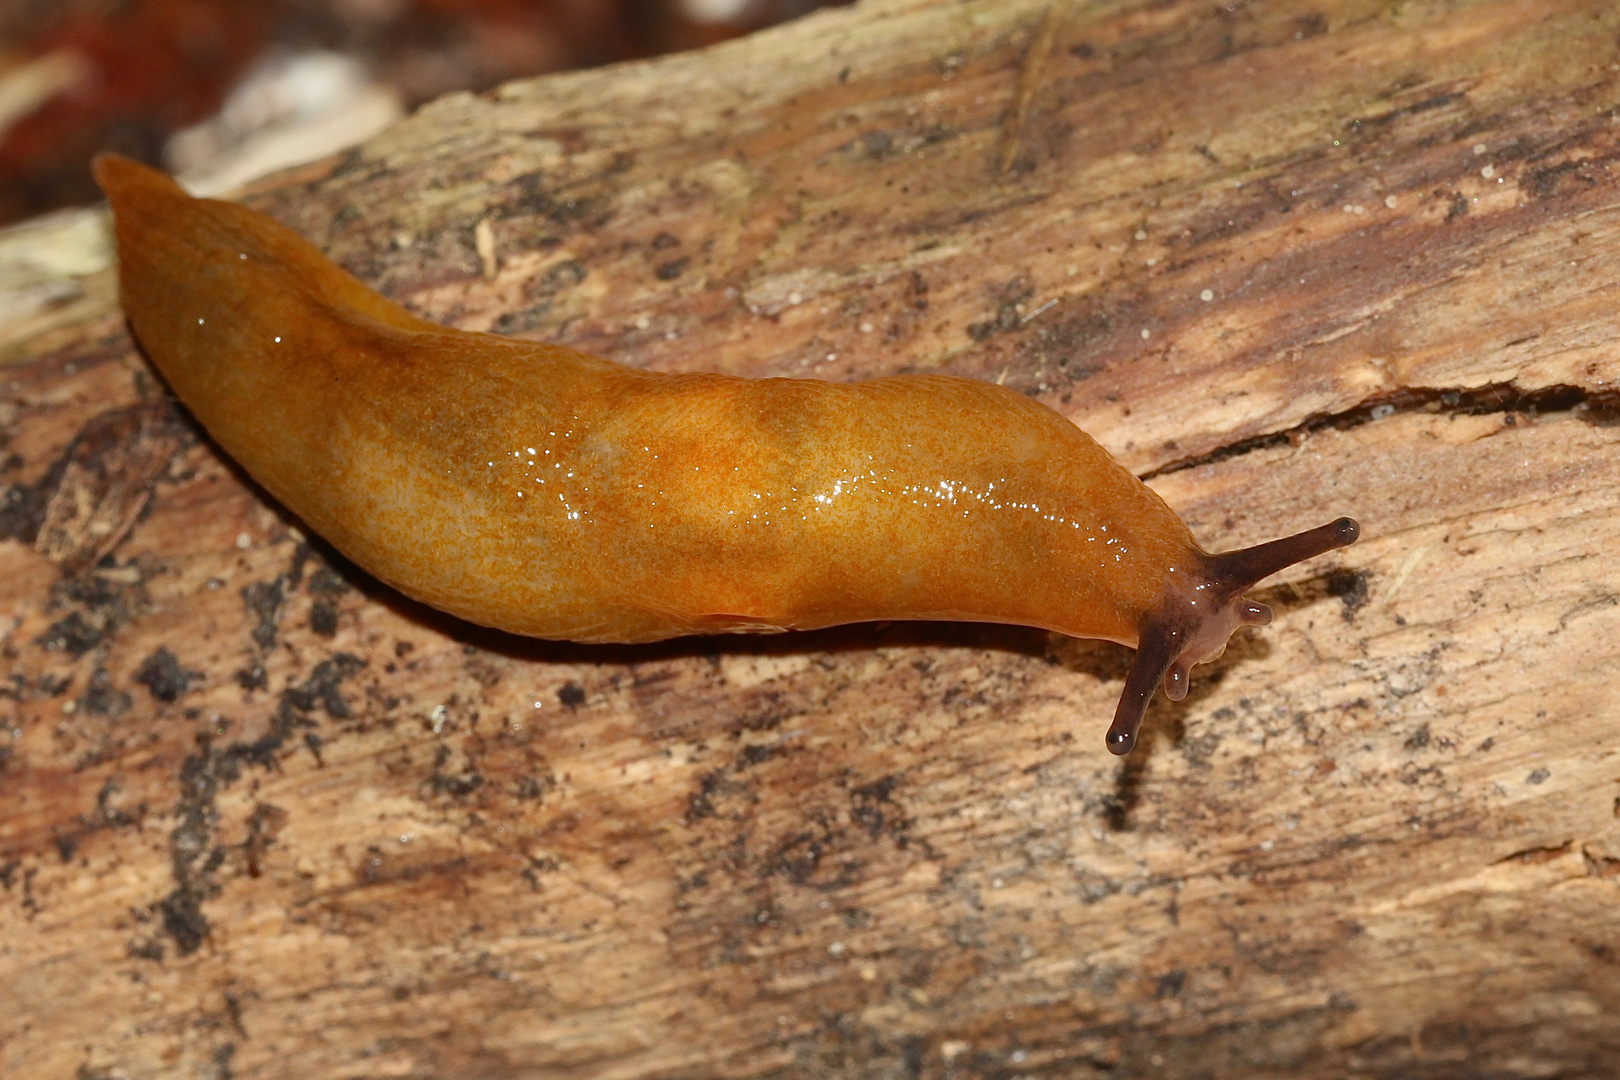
547, 492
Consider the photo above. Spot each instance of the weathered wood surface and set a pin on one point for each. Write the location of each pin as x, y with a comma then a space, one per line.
259, 817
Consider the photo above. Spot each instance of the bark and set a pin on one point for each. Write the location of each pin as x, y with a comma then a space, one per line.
261, 817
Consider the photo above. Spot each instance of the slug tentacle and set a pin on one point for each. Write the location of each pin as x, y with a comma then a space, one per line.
537, 489
1154, 655
1238, 570
1191, 625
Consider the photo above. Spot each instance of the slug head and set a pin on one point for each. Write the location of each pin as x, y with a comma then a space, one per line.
1191, 623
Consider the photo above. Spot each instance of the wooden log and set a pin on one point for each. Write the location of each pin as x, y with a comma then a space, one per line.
261, 817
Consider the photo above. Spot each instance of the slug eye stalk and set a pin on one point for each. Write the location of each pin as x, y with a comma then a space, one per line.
1190, 627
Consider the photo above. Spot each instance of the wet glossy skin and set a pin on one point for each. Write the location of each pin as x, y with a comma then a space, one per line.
546, 492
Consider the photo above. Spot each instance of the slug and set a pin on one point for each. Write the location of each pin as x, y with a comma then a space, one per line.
543, 491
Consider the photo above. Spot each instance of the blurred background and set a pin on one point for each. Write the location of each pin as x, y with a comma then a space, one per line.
221, 91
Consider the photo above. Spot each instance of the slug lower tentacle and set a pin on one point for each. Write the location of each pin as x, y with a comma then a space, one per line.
540, 490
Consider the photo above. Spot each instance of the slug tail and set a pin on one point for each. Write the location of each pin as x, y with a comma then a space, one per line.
175, 251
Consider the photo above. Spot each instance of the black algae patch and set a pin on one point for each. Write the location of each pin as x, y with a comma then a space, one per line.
265, 599
193, 857
1350, 586
162, 674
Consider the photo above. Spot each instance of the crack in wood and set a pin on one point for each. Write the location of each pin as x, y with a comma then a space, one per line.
1595, 406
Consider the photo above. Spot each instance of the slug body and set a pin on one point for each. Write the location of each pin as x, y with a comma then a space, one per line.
547, 492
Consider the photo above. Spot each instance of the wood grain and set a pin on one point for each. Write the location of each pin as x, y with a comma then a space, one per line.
260, 817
